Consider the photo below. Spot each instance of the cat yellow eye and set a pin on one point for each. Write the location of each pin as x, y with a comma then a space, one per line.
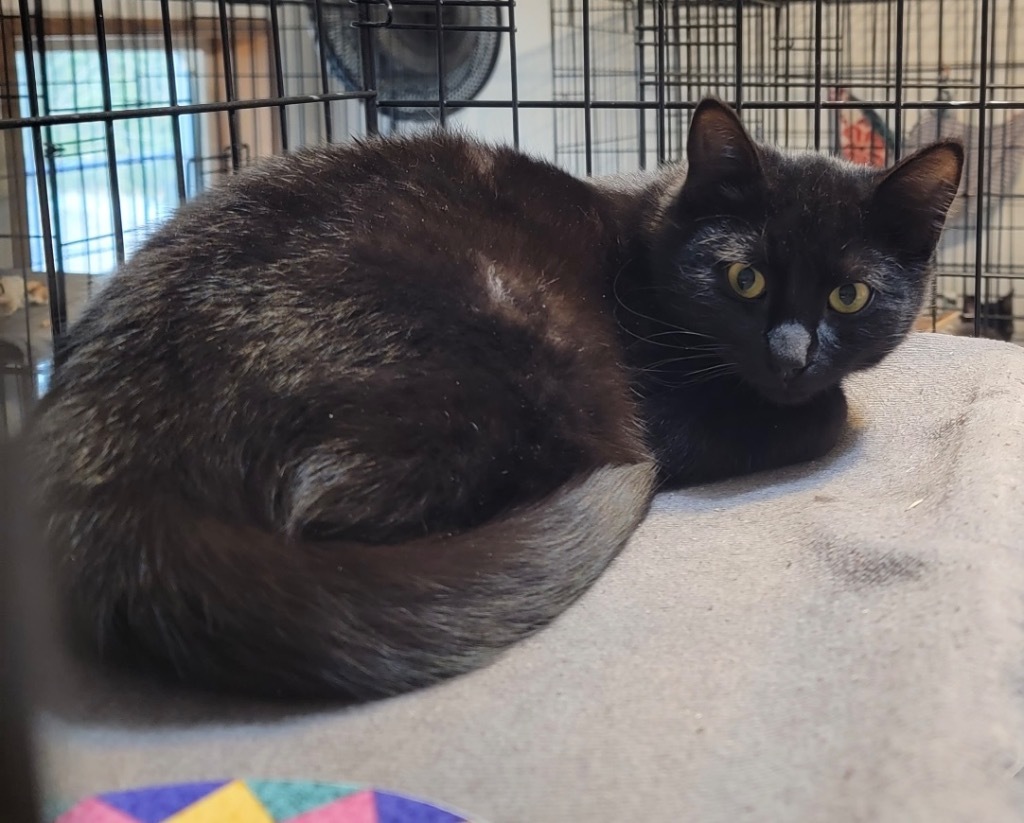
850, 297
746, 281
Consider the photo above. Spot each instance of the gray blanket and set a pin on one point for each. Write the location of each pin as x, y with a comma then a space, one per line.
842, 641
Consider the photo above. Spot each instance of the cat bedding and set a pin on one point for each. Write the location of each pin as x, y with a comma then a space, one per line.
801, 645
331, 465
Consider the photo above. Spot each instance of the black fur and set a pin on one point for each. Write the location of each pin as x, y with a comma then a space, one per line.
363, 416
996, 317
716, 400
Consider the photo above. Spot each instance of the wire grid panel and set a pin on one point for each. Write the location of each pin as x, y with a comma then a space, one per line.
870, 81
112, 112
115, 113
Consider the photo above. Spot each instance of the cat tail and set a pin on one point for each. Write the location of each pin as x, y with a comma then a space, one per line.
234, 607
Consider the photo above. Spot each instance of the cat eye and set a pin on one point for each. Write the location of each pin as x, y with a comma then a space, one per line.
850, 297
746, 281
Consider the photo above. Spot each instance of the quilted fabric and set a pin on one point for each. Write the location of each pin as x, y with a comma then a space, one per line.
255, 801
838, 642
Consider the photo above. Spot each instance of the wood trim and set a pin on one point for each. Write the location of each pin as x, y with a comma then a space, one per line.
944, 321
251, 43
85, 26
13, 148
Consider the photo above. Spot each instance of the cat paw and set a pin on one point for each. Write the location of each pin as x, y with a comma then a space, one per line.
825, 420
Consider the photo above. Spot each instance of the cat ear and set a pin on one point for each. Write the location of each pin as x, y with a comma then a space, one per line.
910, 204
720, 156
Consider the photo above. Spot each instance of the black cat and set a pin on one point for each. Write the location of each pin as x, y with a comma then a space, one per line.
363, 416
996, 317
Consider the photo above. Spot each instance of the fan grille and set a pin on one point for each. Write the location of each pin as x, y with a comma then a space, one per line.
407, 58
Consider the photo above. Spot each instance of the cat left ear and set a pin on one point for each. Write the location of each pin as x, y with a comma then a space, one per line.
910, 204
721, 158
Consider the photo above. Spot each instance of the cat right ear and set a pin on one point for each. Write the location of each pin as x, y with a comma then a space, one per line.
721, 158
910, 205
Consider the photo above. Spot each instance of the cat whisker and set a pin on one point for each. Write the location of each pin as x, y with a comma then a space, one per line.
682, 346
702, 343
640, 314
704, 375
672, 331
669, 361
680, 384
706, 378
690, 345
673, 328
716, 367
635, 335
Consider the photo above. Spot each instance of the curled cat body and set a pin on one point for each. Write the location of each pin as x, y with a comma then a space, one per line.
361, 417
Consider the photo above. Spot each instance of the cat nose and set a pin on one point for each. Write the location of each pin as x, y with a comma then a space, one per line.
789, 345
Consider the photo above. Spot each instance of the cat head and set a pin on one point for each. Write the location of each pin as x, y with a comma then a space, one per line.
996, 317
801, 267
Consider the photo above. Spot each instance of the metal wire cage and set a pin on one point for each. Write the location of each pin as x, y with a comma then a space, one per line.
864, 79
112, 112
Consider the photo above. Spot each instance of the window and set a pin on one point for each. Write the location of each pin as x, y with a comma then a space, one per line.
81, 198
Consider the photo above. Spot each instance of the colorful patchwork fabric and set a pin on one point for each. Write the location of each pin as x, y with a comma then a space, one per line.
255, 801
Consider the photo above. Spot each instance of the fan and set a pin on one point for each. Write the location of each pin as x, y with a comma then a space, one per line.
406, 53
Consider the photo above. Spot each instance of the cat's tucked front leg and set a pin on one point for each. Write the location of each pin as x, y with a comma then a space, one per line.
700, 437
